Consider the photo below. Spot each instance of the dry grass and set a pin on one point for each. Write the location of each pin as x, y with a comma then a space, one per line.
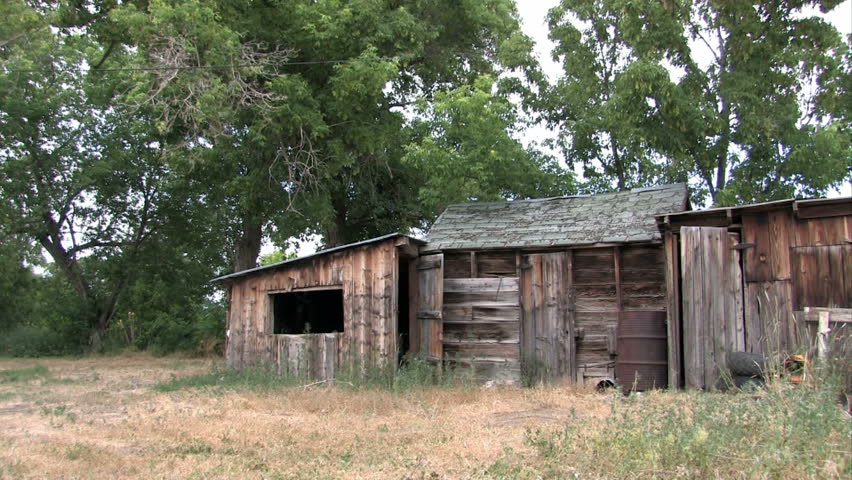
101, 418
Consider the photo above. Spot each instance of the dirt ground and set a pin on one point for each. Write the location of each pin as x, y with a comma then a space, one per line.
99, 417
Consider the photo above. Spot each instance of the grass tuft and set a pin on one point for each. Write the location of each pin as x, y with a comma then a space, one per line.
252, 378
782, 433
24, 374
413, 373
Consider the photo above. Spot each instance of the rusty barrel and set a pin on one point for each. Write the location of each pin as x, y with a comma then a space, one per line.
642, 361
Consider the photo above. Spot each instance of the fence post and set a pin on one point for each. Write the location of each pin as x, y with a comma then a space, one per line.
822, 336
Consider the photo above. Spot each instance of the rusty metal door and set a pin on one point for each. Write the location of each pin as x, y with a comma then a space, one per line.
547, 329
642, 361
430, 300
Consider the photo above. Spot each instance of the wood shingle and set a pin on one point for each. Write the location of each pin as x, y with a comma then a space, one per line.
622, 217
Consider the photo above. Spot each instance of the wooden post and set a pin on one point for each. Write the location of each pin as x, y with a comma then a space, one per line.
822, 336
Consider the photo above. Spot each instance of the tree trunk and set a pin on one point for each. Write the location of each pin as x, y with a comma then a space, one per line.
336, 234
617, 163
247, 248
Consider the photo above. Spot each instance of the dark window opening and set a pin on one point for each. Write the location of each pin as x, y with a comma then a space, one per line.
315, 311
404, 344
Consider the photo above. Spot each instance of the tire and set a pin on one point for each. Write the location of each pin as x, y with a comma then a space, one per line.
747, 383
746, 364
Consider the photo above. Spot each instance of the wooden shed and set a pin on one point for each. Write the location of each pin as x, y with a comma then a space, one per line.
310, 315
547, 285
754, 278
569, 287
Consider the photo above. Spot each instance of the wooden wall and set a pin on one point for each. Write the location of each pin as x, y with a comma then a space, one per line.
712, 293
481, 312
794, 263
606, 281
368, 276
793, 257
579, 291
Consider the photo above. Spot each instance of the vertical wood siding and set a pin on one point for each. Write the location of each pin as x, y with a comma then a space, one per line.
367, 276
712, 303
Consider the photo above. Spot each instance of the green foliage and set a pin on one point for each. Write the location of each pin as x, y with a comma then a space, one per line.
786, 433
464, 150
413, 373
251, 378
276, 257
640, 102
54, 322
24, 374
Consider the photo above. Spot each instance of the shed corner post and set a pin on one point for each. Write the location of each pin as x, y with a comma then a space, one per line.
673, 320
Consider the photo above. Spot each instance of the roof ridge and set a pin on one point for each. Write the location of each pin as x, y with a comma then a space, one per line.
652, 188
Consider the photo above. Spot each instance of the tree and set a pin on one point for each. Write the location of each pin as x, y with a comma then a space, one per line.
81, 175
744, 123
322, 151
465, 151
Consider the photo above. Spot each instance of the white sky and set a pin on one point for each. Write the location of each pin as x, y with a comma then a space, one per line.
533, 17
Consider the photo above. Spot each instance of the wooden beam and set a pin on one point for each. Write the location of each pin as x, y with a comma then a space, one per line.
835, 315
407, 249
473, 273
803, 210
616, 258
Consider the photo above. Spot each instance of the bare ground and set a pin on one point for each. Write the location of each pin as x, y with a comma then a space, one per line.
99, 418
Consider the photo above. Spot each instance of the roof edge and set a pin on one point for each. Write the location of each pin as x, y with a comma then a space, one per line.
339, 248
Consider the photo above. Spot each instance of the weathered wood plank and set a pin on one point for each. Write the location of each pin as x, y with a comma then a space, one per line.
498, 332
820, 276
693, 308
431, 299
484, 299
491, 264
480, 314
672, 273
836, 315
482, 351
757, 264
781, 236
481, 285
457, 265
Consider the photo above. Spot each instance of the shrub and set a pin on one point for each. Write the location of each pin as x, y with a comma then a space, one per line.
41, 341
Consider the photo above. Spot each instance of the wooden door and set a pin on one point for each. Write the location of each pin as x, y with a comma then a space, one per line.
430, 299
712, 293
547, 329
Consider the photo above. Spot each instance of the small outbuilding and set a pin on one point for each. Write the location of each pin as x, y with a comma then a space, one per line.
310, 315
571, 287
756, 278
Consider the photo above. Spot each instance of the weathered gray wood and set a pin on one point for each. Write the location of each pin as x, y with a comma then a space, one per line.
836, 315
477, 314
481, 285
712, 303
693, 271
547, 314
430, 303
500, 332
495, 264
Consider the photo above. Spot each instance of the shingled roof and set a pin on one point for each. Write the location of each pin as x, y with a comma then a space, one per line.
578, 220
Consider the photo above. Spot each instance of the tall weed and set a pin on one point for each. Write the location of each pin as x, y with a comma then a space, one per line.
784, 432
